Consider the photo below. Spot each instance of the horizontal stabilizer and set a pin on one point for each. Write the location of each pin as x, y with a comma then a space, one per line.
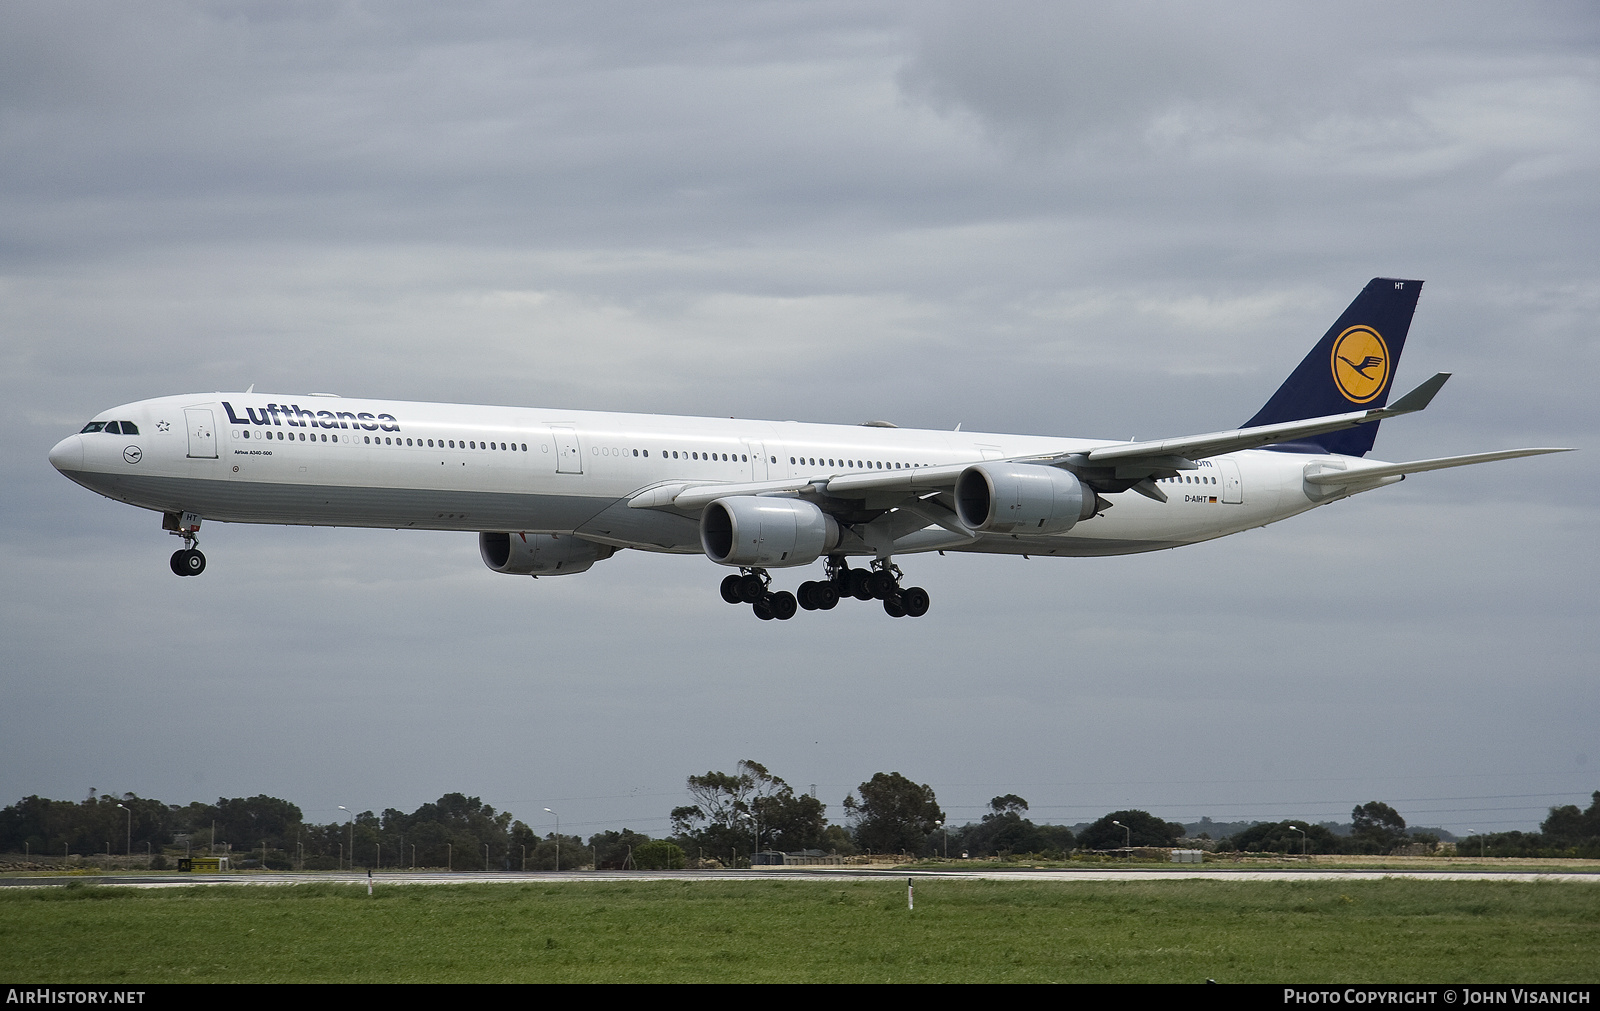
1360, 474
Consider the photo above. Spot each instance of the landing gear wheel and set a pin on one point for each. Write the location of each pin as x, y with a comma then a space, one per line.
825, 597
915, 601
783, 605
860, 584
892, 606
178, 560
188, 562
881, 585
806, 595
730, 589
763, 608
752, 588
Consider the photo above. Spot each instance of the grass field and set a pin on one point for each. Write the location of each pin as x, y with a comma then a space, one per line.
857, 931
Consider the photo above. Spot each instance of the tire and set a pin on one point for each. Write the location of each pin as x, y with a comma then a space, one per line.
826, 596
783, 605
806, 595
730, 589
915, 601
892, 606
751, 588
859, 580
196, 562
763, 609
178, 566
881, 585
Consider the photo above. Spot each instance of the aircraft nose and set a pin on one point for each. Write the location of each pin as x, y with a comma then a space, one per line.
67, 454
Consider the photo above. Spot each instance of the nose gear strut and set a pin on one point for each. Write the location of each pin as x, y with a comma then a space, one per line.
187, 561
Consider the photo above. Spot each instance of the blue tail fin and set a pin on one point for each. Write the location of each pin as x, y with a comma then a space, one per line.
1348, 370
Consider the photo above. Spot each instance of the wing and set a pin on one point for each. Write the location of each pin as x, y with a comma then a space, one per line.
924, 494
1359, 473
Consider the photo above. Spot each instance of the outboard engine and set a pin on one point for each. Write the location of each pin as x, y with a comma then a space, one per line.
1006, 498
540, 554
766, 532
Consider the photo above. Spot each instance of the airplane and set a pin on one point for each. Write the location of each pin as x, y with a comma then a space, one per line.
552, 492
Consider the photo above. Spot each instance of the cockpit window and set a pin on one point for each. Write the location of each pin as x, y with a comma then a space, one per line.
111, 428
93, 426
129, 428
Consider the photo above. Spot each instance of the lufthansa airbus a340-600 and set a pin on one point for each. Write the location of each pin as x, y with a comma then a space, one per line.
551, 492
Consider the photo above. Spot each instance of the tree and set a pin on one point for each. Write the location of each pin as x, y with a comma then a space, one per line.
612, 849
1376, 827
1009, 804
730, 808
1279, 837
1567, 826
659, 855
1143, 829
1004, 831
893, 814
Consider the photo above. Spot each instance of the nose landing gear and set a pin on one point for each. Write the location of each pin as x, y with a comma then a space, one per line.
187, 561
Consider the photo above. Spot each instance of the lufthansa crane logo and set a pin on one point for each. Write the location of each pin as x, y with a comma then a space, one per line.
1360, 364
133, 454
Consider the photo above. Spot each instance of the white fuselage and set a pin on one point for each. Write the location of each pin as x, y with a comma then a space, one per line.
328, 461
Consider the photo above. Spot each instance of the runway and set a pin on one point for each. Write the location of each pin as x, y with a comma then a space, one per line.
392, 878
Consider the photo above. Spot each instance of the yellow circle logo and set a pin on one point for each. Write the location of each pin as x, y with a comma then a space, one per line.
1360, 364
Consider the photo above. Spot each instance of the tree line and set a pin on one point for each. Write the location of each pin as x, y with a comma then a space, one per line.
732, 818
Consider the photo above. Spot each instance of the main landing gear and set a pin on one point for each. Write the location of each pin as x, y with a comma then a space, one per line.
881, 582
187, 561
754, 587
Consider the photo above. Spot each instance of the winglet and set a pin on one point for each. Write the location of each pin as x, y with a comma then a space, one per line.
1420, 397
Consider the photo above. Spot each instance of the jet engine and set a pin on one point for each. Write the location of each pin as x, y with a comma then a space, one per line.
1005, 498
775, 532
540, 554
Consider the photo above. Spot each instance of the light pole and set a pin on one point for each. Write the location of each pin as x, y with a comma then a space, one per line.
352, 815
1127, 837
128, 849
1293, 828
558, 837
946, 832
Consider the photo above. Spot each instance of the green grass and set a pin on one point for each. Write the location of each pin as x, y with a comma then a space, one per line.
758, 931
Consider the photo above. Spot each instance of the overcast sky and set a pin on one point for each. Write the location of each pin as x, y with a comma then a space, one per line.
1111, 221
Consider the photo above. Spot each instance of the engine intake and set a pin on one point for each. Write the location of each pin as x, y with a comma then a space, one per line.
540, 554
775, 532
1004, 498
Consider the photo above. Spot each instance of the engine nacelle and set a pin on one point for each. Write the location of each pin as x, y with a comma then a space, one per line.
540, 554
1005, 498
767, 532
